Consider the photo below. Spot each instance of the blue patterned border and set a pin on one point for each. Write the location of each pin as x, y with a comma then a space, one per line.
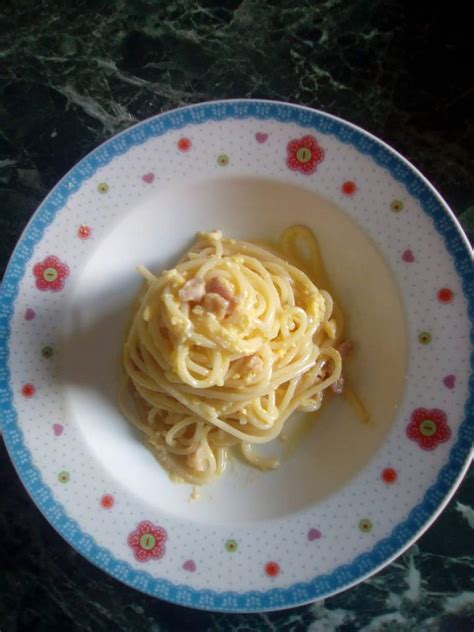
435, 498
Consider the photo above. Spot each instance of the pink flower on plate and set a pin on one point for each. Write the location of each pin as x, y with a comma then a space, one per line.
304, 154
50, 274
148, 541
428, 428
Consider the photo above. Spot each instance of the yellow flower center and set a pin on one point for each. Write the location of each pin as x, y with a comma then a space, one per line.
50, 274
428, 428
147, 541
304, 154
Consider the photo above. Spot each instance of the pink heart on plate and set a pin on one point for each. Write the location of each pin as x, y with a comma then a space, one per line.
148, 177
190, 565
30, 314
58, 429
314, 534
408, 256
260, 137
449, 381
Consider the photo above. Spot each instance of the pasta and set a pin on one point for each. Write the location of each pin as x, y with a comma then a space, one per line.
223, 348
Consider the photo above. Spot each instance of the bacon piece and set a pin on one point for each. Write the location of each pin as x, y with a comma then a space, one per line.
345, 348
192, 290
253, 363
215, 304
217, 285
196, 460
338, 386
233, 304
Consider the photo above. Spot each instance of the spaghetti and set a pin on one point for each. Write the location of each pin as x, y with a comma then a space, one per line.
223, 348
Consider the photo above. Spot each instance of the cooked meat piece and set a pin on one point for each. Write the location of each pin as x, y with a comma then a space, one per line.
220, 286
192, 290
253, 363
215, 304
338, 386
196, 460
345, 348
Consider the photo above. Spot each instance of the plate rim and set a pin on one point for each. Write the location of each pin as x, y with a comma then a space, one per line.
364, 565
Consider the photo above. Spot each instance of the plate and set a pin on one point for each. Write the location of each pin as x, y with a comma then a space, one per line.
351, 496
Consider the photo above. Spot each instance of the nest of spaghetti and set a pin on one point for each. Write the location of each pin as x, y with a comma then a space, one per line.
223, 348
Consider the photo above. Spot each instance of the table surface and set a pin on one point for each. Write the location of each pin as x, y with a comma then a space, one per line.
72, 74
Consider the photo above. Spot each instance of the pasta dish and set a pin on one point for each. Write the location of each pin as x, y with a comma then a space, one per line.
224, 347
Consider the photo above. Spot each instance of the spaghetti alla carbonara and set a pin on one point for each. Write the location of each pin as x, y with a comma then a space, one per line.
225, 346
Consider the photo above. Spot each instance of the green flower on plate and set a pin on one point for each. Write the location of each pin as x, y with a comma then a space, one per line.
102, 187
223, 160
231, 546
365, 525
47, 352
63, 477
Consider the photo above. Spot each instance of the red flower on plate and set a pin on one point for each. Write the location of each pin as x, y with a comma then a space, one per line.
148, 541
84, 231
50, 274
184, 144
428, 428
304, 154
107, 501
272, 569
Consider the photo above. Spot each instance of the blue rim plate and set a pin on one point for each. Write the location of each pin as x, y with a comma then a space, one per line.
18, 285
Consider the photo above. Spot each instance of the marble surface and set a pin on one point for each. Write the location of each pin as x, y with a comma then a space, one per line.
72, 75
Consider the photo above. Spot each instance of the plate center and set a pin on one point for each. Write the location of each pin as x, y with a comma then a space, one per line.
156, 233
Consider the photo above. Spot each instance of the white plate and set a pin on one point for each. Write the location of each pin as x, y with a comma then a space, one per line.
349, 498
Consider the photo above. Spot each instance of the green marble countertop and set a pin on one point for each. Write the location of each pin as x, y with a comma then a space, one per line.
72, 74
